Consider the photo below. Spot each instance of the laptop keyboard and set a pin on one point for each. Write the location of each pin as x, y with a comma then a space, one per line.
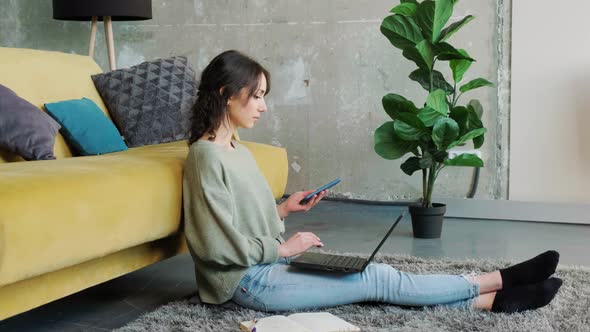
343, 261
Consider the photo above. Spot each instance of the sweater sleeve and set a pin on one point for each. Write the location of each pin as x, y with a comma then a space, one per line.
210, 227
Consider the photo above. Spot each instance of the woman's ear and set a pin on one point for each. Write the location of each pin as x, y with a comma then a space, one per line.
232, 99
221, 94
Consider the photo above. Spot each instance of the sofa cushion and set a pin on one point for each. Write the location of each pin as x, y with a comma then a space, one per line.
25, 129
151, 102
31, 73
85, 127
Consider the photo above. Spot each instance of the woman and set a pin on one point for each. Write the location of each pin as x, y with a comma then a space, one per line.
233, 225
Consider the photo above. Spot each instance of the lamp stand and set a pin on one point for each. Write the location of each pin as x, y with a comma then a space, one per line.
108, 29
92, 37
108, 35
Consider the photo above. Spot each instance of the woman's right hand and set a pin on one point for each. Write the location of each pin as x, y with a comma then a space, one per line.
299, 243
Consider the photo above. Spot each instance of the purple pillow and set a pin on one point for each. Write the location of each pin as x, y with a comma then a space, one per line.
25, 129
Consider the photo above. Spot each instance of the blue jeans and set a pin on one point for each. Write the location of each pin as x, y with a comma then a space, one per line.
280, 287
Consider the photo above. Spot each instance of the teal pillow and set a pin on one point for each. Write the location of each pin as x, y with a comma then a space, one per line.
85, 127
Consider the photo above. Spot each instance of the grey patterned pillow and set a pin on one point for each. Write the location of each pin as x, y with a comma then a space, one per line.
151, 102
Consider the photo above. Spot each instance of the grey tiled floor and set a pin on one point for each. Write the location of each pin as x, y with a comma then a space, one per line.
341, 226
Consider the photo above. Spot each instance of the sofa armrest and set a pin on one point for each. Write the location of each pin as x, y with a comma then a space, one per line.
273, 163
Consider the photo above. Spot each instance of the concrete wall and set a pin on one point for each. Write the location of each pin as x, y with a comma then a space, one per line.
330, 66
550, 140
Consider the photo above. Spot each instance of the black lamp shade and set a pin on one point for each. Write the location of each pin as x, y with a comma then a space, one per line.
119, 10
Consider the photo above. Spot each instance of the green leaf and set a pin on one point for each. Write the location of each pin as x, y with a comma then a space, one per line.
459, 67
445, 51
410, 1
478, 141
388, 145
475, 105
475, 123
425, 17
405, 131
437, 100
474, 84
465, 159
412, 120
444, 132
428, 116
401, 31
394, 104
469, 136
411, 165
408, 127
448, 54
432, 16
422, 76
411, 53
461, 115
451, 29
425, 49
442, 13
405, 9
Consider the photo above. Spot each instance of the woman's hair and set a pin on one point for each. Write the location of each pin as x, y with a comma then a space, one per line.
226, 75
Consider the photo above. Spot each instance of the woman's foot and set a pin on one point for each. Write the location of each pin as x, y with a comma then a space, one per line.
526, 297
534, 270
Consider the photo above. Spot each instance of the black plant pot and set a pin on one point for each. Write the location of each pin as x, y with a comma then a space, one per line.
427, 222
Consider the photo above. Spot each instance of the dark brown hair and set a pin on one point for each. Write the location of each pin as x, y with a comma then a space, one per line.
232, 71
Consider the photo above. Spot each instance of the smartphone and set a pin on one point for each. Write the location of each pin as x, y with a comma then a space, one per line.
320, 189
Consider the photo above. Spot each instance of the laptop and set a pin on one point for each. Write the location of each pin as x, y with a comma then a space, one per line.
339, 263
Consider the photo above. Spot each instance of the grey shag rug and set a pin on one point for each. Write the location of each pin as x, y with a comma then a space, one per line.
569, 310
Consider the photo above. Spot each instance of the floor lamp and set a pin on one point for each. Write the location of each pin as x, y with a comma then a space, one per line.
102, 10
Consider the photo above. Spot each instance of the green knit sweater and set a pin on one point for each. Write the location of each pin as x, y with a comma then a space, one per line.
230, 215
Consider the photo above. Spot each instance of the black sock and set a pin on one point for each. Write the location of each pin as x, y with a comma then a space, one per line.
532, 271
526, 297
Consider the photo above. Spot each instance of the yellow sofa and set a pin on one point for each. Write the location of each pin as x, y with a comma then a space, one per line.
75, 222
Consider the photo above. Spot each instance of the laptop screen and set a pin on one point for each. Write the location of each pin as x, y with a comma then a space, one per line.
386, 235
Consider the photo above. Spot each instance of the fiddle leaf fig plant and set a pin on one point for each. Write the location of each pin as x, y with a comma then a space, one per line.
427, 133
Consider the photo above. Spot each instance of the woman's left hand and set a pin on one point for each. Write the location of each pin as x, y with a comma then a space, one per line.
292, 203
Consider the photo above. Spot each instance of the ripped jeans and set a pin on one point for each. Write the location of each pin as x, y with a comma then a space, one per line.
280, 287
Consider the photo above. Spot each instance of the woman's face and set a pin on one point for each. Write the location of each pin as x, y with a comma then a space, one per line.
244, 111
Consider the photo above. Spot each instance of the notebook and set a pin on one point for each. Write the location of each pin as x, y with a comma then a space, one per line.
300, 322
339, 263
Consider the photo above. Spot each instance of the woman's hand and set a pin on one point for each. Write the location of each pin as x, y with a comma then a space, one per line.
292, 203
299, 243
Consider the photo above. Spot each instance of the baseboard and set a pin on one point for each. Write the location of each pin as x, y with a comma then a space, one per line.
501, 209
517, 210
